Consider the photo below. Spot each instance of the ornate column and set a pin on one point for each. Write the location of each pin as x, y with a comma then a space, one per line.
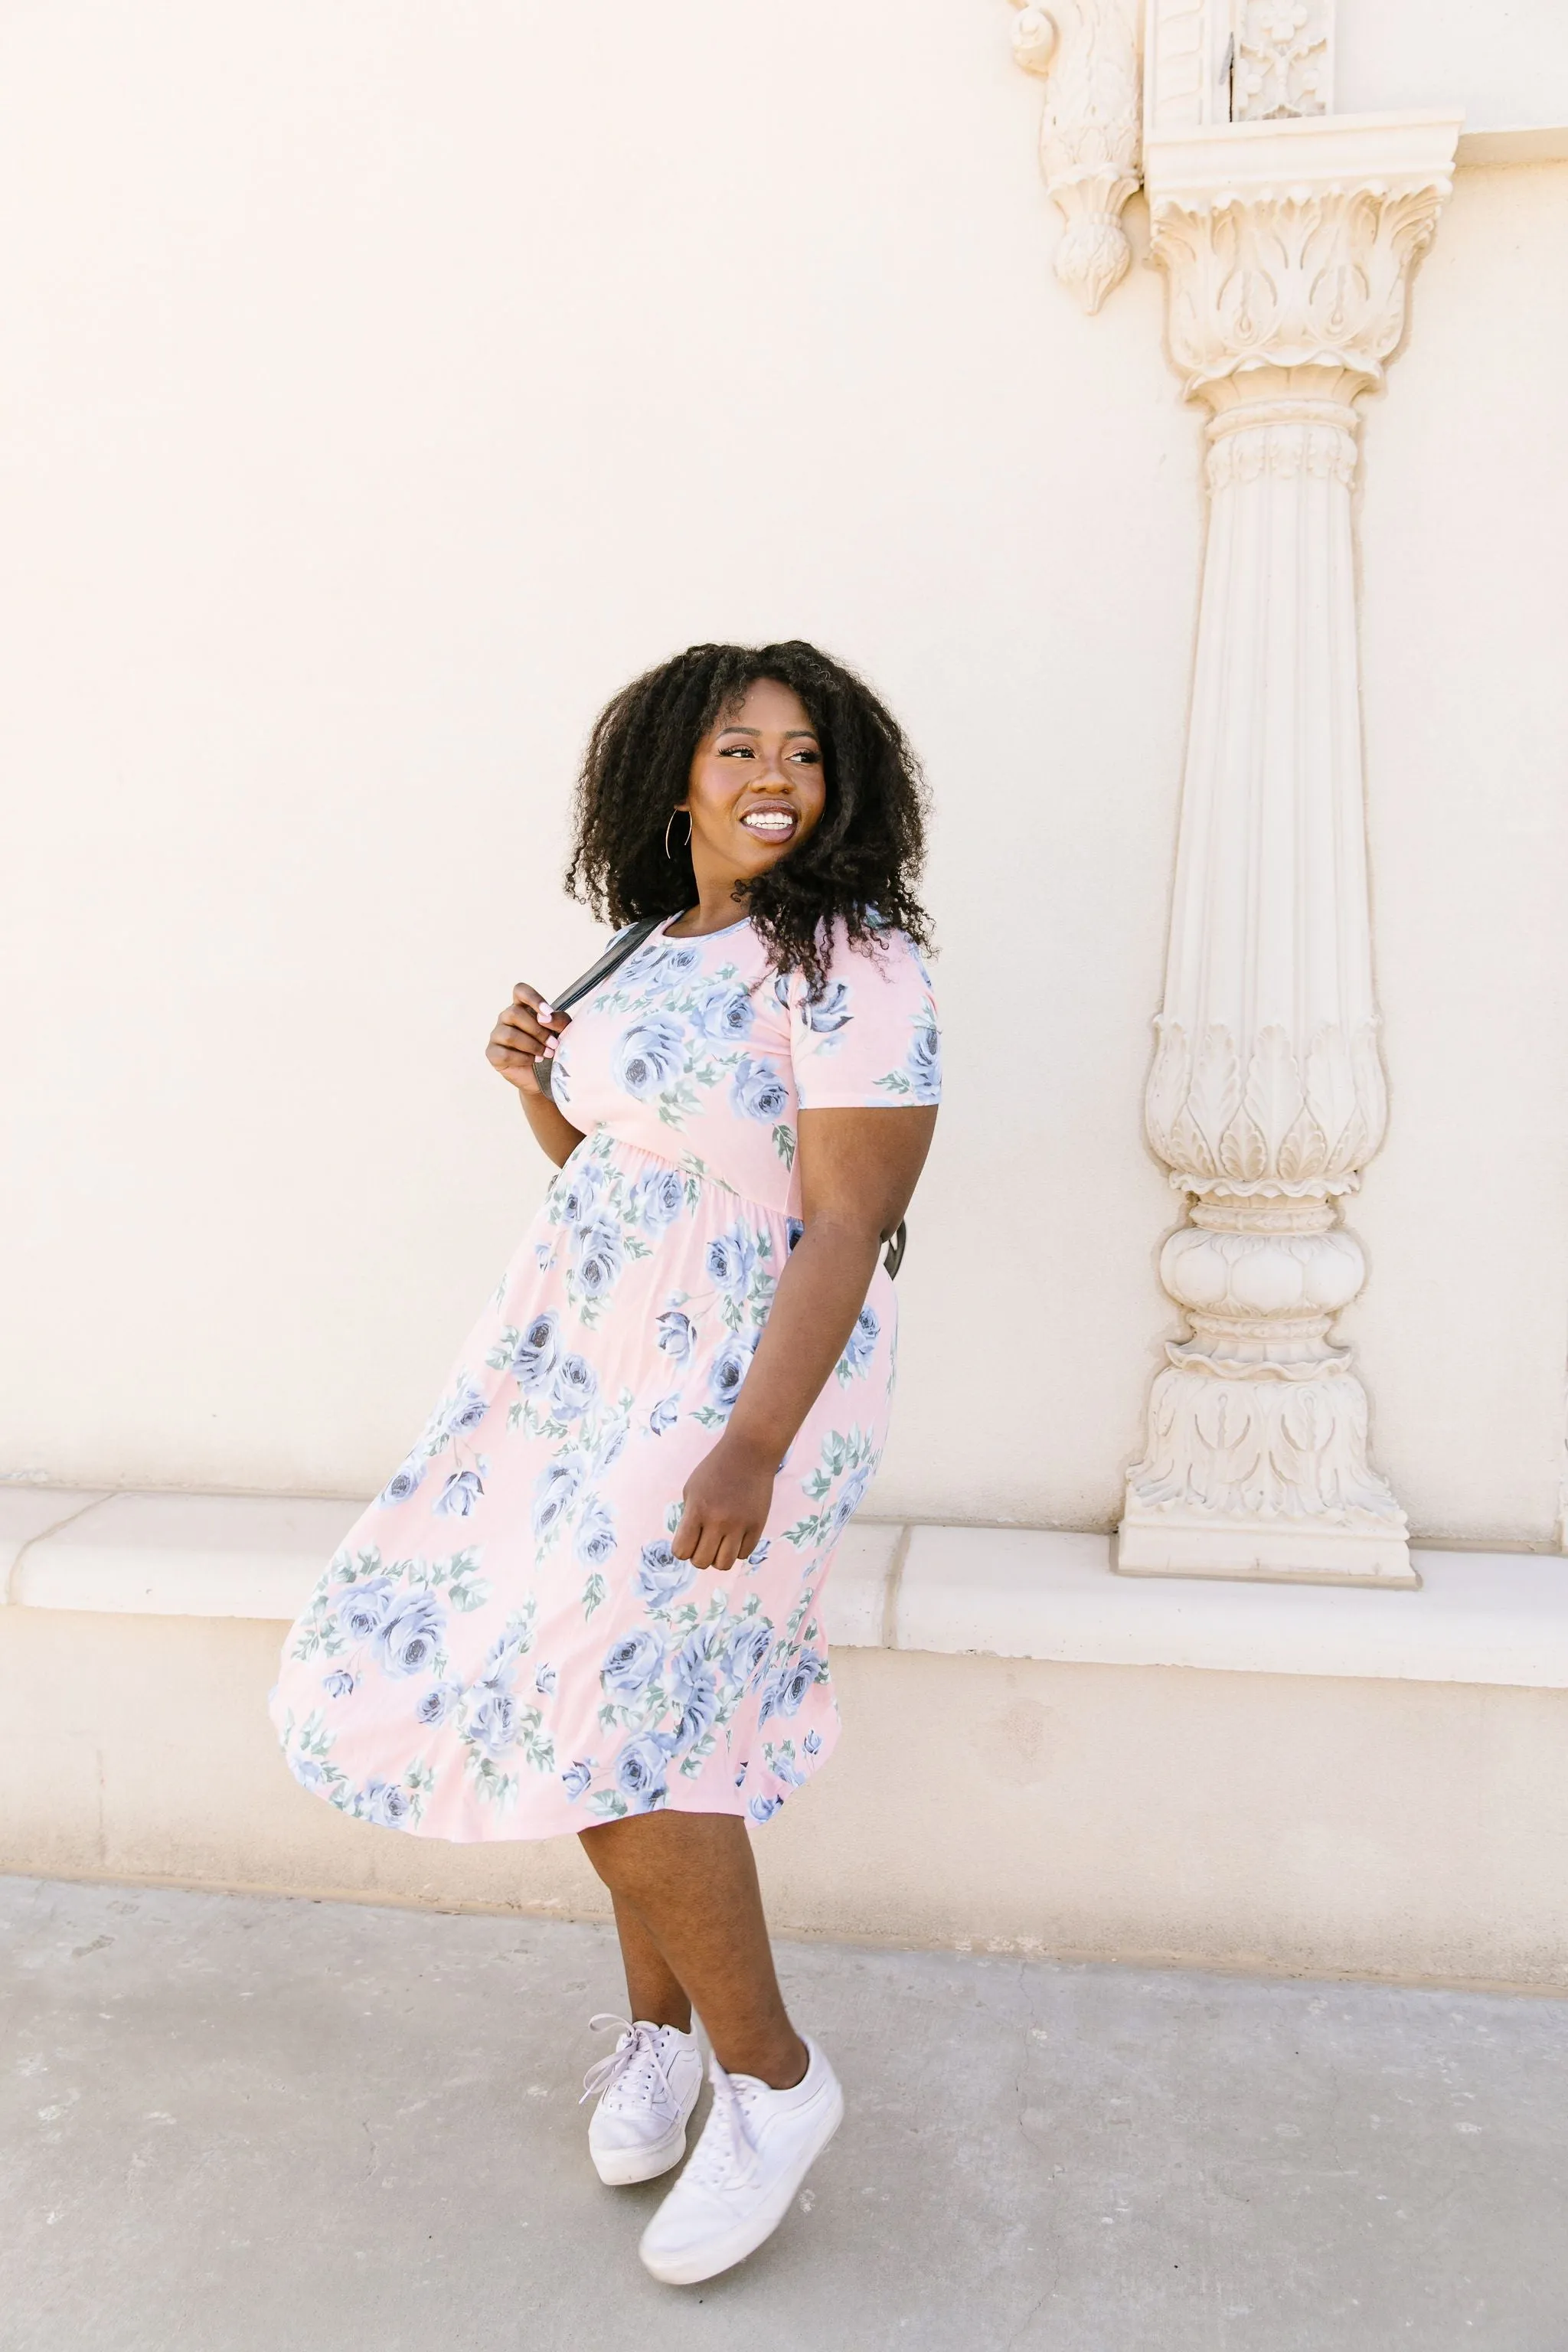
1288, 246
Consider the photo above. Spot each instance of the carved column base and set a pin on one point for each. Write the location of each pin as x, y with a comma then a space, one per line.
1266, 1478
1267, 1554
1256, 1460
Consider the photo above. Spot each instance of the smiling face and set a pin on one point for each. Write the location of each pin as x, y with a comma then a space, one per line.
756, 788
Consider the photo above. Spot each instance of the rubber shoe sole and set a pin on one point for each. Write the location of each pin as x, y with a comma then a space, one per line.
723, 2252
622, 2168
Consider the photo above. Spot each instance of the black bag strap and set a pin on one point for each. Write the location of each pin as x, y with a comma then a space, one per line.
618, 952
624, 946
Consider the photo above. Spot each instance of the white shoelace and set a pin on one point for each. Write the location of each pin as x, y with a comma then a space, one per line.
639, 2046
726, 2154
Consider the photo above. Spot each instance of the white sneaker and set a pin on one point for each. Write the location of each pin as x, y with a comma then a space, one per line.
756, 2150
648, 2088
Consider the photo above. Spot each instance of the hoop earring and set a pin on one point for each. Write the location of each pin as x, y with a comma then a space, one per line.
687, 844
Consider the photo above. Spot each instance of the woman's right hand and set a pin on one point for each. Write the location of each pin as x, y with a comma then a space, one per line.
525, 1028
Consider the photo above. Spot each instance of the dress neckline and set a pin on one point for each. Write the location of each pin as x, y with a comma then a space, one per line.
695, 939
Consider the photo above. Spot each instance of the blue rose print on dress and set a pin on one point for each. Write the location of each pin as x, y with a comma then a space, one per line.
409, 1639
806, 1670
676, 1334
632, 1663
641, 1770
730, 1257
403, 1481
830, 1012
852, 1494
534, 1357
578, 1779
607, 1452
746, 1649
757, 1089
491, 1721
662, 1578
694, 1692
660, 1199
785, 1691
361, 1611
467, 1410
597, 1251
555, 1490
649, 1056
724, 1013
925, 1064
661, 961
573, 1388
459, 1495
596, 1538
339, 1683
578, 1194
731, 1364
385, 1803
860, 1348
665, 1415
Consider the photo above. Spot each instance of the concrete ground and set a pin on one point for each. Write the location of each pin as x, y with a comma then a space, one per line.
235, 2124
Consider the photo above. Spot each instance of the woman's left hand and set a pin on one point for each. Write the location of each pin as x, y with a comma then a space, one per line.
728, 1498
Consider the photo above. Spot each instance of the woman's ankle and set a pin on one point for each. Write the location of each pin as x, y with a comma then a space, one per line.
665, 2012
782, 2062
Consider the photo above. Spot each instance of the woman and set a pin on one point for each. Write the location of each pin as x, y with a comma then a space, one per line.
589, 1600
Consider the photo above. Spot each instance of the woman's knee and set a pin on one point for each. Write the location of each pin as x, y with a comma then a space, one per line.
620, 1852
650, 1851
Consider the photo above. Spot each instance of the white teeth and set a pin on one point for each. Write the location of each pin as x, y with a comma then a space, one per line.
768, 821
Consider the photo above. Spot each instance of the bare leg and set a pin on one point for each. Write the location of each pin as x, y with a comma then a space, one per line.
653, 1990
691, 1883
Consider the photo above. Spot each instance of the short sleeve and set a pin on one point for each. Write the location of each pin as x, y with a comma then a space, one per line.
871, 1038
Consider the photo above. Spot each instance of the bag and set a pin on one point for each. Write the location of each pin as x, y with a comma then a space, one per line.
620, 950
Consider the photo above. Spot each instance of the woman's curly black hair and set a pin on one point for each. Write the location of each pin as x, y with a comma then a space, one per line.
862, 862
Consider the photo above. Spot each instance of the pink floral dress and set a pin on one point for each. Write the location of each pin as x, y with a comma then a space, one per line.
505, 1645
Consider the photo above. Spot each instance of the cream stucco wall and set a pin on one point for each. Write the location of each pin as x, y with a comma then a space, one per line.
1119, 1812
381, 386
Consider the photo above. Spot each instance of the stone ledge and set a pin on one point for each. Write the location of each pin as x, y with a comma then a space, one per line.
29, 1513
1478, 1617
1008, 1592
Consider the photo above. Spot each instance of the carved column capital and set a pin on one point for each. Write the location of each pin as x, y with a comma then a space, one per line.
1289, 245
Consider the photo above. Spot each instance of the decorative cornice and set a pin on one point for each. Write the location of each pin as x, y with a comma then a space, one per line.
1088, 52
1316, 155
